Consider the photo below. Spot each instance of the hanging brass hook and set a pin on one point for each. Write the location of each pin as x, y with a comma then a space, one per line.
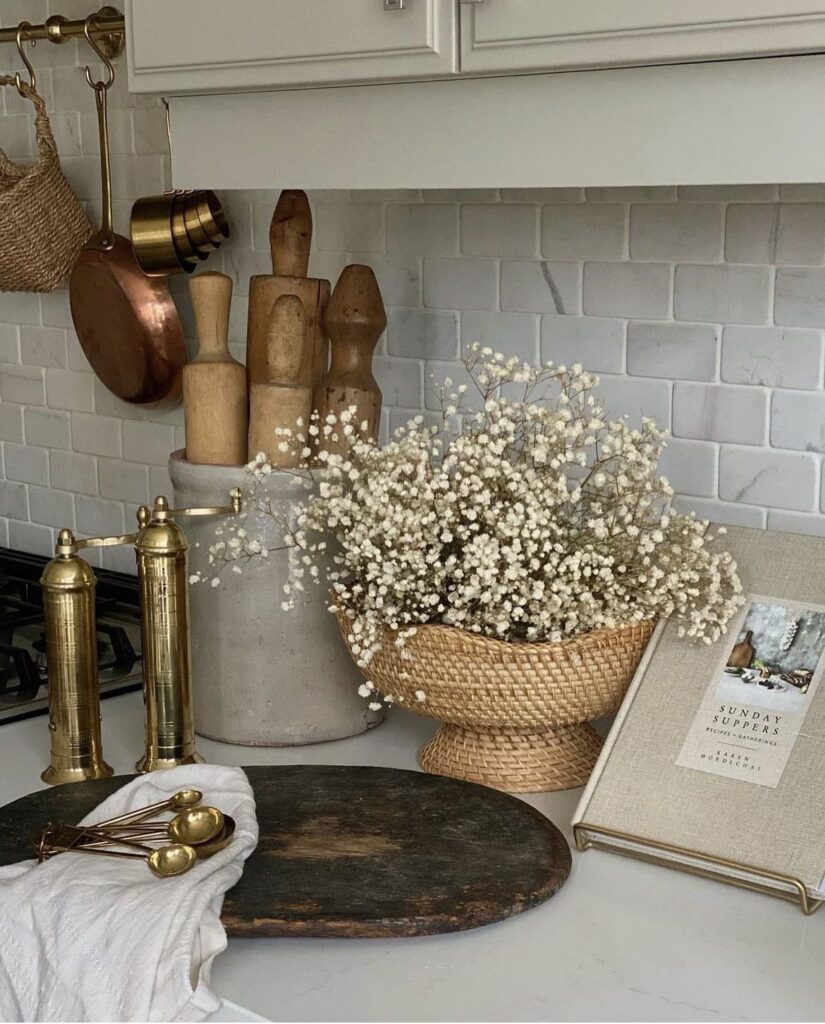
18, 81
87, 26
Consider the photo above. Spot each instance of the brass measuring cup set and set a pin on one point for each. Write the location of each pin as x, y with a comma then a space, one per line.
195, 832
68, 583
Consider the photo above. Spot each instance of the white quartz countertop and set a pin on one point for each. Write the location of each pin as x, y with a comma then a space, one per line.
621, 941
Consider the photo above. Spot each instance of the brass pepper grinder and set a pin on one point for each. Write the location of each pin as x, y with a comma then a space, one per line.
69, 584
68, 587
161, 548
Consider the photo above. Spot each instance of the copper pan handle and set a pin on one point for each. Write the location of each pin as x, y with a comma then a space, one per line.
105, 238
106, 235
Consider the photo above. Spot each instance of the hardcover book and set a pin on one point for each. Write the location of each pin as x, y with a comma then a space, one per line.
716, 761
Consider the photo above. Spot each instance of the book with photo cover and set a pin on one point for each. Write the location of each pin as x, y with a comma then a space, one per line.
716, 761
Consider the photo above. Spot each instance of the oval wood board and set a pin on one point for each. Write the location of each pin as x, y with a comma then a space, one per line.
362, 852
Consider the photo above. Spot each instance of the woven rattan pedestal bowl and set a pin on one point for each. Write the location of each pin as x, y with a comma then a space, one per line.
515, 715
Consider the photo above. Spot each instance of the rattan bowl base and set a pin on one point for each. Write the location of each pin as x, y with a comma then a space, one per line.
514, 715
518, 762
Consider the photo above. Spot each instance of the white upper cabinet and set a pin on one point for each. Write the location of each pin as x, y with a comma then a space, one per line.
534, 35
222, 45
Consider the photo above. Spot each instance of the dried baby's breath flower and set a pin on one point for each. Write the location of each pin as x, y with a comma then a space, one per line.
531, 518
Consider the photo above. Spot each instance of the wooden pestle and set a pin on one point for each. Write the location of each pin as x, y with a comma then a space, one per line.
282, 401
355, 318
214, 384
290, 235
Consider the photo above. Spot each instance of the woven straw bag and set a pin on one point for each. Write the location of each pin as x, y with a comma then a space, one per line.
514, 714
42, 225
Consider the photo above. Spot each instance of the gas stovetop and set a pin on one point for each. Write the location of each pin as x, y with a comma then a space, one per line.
23, 679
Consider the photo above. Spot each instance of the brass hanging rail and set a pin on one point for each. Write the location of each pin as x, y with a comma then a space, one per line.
108, 27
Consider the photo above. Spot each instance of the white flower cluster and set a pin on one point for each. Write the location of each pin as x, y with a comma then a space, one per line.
535, 520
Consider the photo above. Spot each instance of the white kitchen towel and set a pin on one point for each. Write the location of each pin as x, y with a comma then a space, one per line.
102, 939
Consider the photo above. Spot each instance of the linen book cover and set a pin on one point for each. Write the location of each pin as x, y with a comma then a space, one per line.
720, 749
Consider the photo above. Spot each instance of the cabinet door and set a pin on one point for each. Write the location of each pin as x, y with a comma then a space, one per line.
217, 45
524, 35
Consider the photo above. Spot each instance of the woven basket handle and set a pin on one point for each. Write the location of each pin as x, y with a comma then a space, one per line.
46, 146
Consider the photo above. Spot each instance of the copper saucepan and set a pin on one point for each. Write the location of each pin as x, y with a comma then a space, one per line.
127, 322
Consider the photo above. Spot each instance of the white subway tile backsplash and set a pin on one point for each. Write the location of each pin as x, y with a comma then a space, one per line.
398, 276
777, 357
714, 412
345, 227
691, 467
51, 507
800, 297
423, 230
148, 442
538, 196
460, 284
22, 384
43, 346
584, 231
499, 230
26, 464
801, 238
802, 193
422, 333
19, 307
598, 343
30, 537
791, 233
796, 522
729, 193
627, 290
726, 294
633, 194
11, 422
9, 343
14, 500
636, 398
676, 232
751, 232
722, 512
512, 334
96, 435
70, 389
541, 286
401, 381
798, 421
69, 471
773, 479
125, 481
97, 518
683, 351
54, 308
47, 429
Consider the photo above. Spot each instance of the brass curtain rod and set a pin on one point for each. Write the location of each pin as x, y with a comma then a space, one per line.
109, 24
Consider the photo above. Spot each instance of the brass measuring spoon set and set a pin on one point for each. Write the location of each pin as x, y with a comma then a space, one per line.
196, 832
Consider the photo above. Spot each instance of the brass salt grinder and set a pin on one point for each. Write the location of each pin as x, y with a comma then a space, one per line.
68, 584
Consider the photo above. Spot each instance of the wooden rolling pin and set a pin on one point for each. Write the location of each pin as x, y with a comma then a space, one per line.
214, 384
290, 235
281, 402
355, 318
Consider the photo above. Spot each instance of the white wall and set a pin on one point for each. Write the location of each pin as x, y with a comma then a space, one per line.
702, 307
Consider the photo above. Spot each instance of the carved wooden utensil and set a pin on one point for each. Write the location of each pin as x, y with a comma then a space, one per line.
355, 318
214, 384
281, 402
290, 235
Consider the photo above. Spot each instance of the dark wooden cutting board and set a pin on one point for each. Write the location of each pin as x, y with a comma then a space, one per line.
364, 852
